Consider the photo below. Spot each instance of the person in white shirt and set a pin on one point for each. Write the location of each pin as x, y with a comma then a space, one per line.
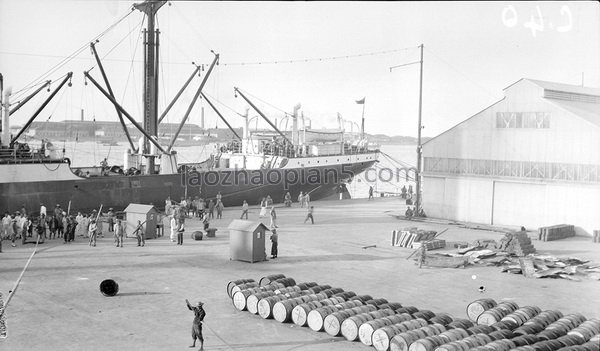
80, 225
5, 227
43, 210
173, 228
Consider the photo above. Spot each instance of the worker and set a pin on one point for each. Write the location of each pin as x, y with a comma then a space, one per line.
244, 210
274, 243
139, 234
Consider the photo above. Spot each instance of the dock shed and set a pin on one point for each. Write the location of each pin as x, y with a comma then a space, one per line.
146, 214
247, 241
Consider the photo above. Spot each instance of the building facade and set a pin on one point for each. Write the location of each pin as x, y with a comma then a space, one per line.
531, 159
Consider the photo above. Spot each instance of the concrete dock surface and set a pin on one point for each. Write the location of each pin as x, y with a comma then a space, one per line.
58, 305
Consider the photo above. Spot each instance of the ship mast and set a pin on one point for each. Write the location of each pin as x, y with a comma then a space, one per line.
150, 8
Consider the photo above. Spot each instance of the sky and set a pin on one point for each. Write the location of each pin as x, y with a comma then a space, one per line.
323, 55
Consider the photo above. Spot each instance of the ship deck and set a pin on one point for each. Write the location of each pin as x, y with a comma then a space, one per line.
58, 305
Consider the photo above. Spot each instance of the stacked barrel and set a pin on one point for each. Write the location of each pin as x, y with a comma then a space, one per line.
491, 325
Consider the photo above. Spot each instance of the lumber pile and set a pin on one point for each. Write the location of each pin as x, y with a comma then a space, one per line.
517, 243
556, 232
407, 236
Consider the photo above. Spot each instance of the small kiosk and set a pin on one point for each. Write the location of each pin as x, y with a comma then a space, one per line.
247, 241
146, 214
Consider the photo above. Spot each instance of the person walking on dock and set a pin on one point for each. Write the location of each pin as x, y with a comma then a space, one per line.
273, 215
301, 199
244, 210
263, 208
139, 234
92, 232
119, 233
307, 199
43, 209
371, 193
274, 243
309, 215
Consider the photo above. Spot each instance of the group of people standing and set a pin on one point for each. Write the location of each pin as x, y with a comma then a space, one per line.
197, 207
58, 223
48, 225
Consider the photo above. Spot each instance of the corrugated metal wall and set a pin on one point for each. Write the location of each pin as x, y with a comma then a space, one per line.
516, 201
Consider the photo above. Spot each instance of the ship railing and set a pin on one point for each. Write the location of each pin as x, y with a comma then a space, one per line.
27, 155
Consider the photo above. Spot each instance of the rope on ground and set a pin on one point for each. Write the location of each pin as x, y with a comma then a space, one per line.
16, 286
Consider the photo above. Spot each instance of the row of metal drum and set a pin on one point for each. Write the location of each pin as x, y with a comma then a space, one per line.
387, 325
533, 329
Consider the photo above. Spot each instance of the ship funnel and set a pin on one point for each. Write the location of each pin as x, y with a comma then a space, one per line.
295, 125
5, 117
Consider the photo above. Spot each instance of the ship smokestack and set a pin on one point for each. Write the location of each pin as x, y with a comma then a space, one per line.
295, 125
82, 114
5, 118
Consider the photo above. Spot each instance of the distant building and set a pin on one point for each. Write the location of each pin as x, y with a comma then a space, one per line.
531, 159
105, 130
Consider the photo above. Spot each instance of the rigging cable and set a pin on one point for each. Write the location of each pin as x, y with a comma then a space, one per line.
132, 69
265, 102
68, 58
212, 98
319, 59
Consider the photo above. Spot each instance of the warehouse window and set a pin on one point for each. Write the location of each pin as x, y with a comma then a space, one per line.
530, 120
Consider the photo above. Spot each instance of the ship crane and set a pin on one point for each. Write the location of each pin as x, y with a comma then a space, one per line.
237, 91
24, 101
198, 92
221, 116
39, 110
110, 91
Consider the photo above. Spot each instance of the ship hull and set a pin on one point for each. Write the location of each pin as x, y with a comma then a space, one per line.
235, 186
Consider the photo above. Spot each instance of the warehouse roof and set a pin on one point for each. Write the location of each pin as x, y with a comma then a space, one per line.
576, 89
589, 112
585, 110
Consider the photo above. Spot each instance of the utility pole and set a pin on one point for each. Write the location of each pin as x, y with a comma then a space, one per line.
417, 203
419, 146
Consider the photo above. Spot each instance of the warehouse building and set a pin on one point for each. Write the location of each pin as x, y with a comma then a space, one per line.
531, 159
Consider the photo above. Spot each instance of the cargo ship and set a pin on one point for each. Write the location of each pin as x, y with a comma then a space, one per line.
254, 165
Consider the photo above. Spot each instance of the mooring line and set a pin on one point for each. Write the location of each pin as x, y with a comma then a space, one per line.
14, 290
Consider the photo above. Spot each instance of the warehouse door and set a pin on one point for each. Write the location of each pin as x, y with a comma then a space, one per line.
519, 204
